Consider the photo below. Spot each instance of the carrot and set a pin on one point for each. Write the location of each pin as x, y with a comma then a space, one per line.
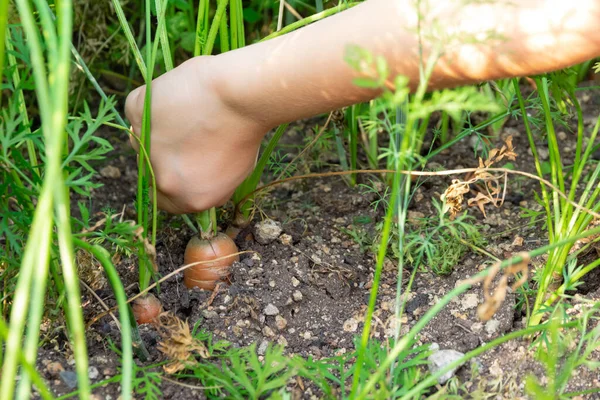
206, 275
146, 309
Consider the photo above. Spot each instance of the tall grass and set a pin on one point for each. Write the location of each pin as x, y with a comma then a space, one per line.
563, 220
51, 75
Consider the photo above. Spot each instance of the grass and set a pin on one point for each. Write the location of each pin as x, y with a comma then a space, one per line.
48, 152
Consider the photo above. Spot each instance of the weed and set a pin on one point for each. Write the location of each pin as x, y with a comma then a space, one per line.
440, 242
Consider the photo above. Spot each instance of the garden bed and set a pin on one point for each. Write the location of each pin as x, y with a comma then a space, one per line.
308, 289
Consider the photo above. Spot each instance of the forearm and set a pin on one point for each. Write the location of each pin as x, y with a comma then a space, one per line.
304, 73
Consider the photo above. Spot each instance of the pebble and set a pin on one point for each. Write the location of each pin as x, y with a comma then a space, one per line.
272, 284
69, 378
262, 348
54, 369
210, 314
285, 239
492, 326
350, 325
267, 231
282, 341
280, 322
470, 300
268, 332
297, 295
237, 331
93, 373
561, 135
110, 172
271, 310
295, 282
440, 359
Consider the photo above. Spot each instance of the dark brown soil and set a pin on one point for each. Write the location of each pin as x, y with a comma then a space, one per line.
319, 279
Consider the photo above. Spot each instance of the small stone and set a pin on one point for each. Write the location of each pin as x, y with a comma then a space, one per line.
111, 172
69, 378
492, 326
54, 369
209, 314
562, 135
518, 241
440, 360
268, 332
295, 282
282, 341
469, 301
350, 325
93, 373
280, 322
271, 310
297, 295
415, 216
237, 331
495, 369
285, 239
272, 283
262, 348
306, 335
267, 231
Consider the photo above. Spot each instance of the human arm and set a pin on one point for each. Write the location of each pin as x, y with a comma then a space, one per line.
210, 114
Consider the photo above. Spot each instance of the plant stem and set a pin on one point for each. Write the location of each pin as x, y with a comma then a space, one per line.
117, 285
130, 39
214, 27
29, 368
313, 18
3, 30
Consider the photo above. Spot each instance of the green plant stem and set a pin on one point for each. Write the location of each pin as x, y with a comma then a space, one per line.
16, 78
137, 55
536, 159
385, 237
3, 30
214, 27
201, 27
37, 249
313, 18
29, 368
224, 35
117, 285
164, 38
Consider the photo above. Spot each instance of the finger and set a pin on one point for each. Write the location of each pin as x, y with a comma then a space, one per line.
166, 204
134, 140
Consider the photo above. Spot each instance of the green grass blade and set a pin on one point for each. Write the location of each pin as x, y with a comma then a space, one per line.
252, 181
3, 30
214, 27
126, 346
29, 368
137, 55
164, 38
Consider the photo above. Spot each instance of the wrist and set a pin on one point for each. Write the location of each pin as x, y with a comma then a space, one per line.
231, 76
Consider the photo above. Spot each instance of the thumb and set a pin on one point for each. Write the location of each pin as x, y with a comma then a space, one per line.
134, 107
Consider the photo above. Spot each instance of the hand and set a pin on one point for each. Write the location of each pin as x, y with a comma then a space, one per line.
202, 148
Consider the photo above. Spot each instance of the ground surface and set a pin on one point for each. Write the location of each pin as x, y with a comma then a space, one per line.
318, 279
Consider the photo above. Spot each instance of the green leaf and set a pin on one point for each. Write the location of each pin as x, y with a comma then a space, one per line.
366, 83
251, 16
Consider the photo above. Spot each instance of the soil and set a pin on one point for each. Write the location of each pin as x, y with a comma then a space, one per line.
319, 279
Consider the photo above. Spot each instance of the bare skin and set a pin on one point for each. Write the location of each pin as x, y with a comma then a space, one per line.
210, 114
